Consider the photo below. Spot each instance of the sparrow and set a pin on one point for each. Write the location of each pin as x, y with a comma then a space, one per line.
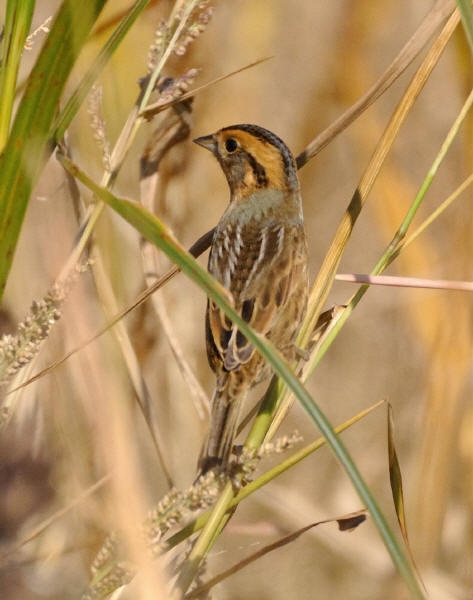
259, 254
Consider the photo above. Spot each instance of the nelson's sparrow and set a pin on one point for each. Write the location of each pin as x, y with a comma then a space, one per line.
259, 254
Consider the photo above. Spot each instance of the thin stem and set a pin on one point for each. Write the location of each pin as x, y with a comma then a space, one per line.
437, 212
17, 23
391, 251
204, 541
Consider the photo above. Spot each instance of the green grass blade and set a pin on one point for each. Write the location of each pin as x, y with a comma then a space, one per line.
466, 11
75, 101
156, 232
24, 153
17, 24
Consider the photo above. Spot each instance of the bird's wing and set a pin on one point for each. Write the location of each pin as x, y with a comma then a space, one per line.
256, 264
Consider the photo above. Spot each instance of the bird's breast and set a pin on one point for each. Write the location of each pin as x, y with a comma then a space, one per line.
263, 205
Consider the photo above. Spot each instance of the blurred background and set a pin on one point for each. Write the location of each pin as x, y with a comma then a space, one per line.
411, 347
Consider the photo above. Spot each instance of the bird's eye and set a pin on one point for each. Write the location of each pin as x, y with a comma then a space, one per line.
231, 145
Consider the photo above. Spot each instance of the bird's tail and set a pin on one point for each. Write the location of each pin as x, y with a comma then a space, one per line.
225, 414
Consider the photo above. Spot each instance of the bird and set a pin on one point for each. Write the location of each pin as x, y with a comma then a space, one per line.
259, 254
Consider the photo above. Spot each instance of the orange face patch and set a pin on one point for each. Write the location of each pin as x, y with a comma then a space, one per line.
264, 153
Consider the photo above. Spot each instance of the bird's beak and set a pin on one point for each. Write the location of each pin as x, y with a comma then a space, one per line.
207, 141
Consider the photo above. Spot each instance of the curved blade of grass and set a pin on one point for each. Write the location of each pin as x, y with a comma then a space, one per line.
155, 231
395, 478
17, 24
24, 154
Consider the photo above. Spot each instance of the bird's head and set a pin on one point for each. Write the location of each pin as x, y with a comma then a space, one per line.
252, 159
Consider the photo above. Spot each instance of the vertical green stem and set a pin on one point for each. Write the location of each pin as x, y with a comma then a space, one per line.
17, 24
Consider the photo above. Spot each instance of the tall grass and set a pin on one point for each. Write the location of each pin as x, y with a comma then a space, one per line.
106, 444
